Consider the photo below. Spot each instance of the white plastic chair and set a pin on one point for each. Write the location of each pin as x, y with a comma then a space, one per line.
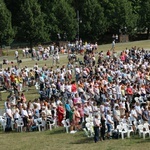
127, 128
86, 132
1, 119
90, 129
51, 123
19, 124
143, 130
147, 131
3, 123
38, 123
12, 124
87, 119
66, 124
122, 130
130, 129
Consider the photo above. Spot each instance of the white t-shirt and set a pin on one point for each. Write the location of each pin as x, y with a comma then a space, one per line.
86, 111
8, 112
16, 115
24, 113
108, 119
133, 112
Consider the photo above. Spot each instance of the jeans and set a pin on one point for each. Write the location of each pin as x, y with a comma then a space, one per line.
8, 123
96, 135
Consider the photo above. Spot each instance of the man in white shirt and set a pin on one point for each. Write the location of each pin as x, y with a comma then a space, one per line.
133, 117
97, 125
77, 72
41, 82
16, 54
116, 115
138, 110
9, 117
109, 123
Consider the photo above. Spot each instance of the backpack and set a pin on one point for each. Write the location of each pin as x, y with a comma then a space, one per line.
115, 135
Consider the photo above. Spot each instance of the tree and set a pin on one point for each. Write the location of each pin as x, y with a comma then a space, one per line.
93, 21
144, 16
119, 15
60, 18
6, 30
14, 7
31, 26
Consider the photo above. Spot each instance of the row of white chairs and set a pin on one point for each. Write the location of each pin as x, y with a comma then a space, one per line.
142, 129
39, 123
122, 128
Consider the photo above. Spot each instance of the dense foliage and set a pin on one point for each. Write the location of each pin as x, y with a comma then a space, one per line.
36, 21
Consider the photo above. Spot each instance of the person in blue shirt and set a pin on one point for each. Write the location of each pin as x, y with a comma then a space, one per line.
68, 109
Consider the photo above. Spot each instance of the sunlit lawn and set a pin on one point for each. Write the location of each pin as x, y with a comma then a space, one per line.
57, 138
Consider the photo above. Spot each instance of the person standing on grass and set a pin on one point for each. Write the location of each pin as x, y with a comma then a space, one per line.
68, 109
109, 123
76, 118
54, 59
60, 113
9, 117
57, 57
113, 46
97, 125
133, 117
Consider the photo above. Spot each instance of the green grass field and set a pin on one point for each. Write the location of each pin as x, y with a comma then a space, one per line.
57, 138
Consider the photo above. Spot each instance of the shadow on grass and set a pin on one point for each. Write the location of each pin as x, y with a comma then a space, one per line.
59, 130
144, 141
83, 141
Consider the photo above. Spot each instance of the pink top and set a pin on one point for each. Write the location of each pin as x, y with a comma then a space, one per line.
122, 57
80, 110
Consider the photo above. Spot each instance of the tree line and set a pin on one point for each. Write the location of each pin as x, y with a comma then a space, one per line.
36, 21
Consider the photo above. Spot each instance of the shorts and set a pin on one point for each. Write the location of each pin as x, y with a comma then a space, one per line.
108, 128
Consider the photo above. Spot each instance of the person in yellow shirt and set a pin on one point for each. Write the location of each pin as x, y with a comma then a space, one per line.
32, 76
16, 80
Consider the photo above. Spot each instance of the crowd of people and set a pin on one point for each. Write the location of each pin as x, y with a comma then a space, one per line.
110, 88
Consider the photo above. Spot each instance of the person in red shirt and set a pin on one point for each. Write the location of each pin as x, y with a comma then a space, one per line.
129, 92
60, 113
12, 78
73, 87
108, 54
